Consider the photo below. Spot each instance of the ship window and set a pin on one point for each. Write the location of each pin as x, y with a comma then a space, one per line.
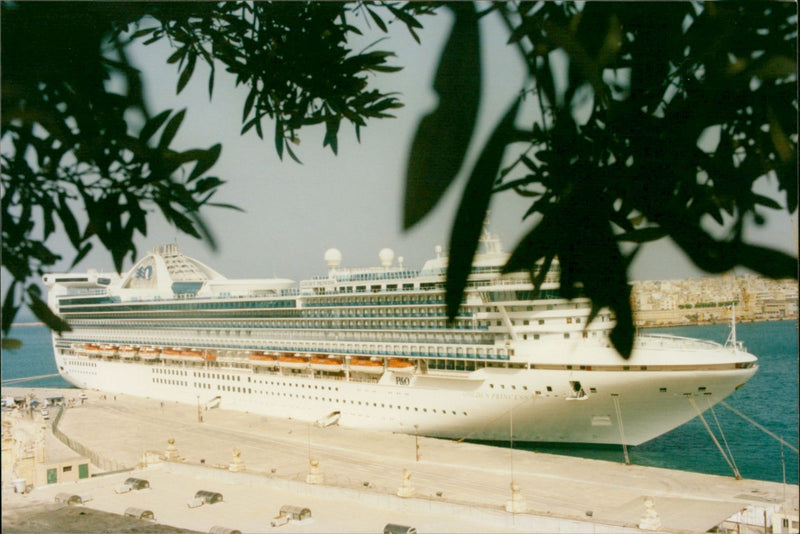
541, 321
662, 390
549, 388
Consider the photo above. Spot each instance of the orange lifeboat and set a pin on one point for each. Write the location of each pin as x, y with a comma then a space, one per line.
293, 362
331, 365
107, 350
400, 366
360, 365
149, 353
209, 357
263, 359
126, 351
191, 353
91, 350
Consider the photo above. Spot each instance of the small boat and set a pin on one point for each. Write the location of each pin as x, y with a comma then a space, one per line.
359, 365
91, 350
401, 366
127, 351
288, 361
149, 353
331, 365
107, 350
263, 359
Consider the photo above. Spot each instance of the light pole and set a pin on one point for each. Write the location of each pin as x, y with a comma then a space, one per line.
199, 411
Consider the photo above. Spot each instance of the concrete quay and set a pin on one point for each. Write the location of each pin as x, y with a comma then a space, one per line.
260, 464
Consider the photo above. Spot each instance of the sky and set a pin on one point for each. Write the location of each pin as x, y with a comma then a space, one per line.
352, 201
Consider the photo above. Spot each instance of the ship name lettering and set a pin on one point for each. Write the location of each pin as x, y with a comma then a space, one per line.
402, 380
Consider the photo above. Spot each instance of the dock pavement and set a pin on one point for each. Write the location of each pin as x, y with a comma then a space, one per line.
448, 486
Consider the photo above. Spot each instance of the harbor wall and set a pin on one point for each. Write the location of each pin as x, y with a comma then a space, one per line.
98, 460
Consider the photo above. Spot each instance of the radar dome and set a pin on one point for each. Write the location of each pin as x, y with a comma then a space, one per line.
333, 258
386, 256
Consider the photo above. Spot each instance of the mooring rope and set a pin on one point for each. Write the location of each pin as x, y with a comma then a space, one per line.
26, 379
621, 429
721, 433
713, 437
743, 416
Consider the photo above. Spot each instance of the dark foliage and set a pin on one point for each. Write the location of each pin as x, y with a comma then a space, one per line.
92, 160
617, 153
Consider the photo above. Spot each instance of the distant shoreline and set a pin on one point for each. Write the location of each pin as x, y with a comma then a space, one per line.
668, 324
27, 324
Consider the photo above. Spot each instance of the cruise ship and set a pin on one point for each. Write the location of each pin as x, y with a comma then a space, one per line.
372, 348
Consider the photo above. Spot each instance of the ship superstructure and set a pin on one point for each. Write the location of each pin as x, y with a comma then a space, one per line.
372, 348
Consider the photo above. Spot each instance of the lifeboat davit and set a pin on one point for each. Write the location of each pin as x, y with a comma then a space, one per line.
288, 361
148, 353
91, 350
358, 365
263, 359
331, 365
401, 366
126, 351
107, 350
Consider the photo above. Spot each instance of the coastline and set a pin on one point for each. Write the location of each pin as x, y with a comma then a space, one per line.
665, 324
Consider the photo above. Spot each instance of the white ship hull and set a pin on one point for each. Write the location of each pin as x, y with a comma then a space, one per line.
371, 348
477, 405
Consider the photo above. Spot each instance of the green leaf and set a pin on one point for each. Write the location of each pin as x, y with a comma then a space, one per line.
10, 308
226, 206
472, 210
766, 201
443, 136
143, 32
171, 129
68, 221
44, 313
207, 183
279, 140
81, 254
377, 20
292, 154
177, 55
10, 343
152, 125
205, 162
186, 75
643, 235
248, 104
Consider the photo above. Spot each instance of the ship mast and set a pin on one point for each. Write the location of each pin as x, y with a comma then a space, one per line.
731, 341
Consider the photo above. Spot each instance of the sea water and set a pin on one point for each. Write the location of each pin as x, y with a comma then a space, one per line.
770, 398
